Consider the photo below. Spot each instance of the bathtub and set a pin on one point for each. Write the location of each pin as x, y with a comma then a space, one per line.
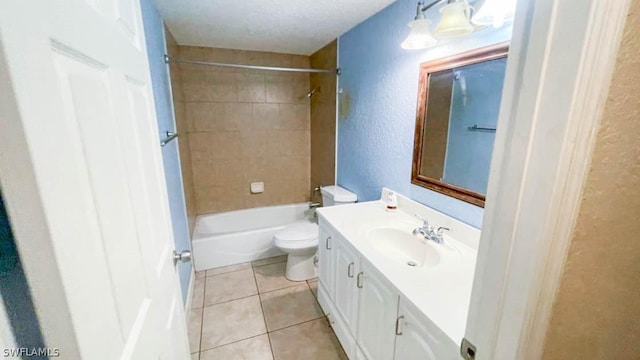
243, 235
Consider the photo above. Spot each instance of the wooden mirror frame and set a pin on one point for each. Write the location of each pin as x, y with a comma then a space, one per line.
426, 69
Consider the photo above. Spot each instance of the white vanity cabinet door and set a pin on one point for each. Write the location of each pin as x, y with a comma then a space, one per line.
326, 263
377, 312
417, 338
347, 265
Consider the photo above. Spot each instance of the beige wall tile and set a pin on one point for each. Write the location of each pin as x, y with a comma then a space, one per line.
244, 57
246, 126
289, 142
254, 145
293, 117
182, 127
225, 145
218, 198
205, 116
300, 61
279, 88
323, 118
209, 85
238, 116
277, 59
265, 116
251, 87
199, 145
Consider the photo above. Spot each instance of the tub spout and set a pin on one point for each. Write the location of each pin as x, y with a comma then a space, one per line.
314, 205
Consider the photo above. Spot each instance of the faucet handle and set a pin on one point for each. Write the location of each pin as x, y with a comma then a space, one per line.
425, 222
441, 229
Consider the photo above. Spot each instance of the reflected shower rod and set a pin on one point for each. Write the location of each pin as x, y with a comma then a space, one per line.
168, 59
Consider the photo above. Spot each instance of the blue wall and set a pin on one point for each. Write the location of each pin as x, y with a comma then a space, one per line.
475, 101
156, 48
377, 106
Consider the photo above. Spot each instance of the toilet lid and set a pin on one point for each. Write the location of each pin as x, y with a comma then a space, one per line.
298, 232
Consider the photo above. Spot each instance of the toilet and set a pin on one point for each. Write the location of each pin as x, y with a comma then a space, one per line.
300, 240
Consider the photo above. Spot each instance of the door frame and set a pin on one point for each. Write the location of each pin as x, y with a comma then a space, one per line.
560, 66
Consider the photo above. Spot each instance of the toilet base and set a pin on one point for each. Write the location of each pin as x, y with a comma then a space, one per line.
301, 267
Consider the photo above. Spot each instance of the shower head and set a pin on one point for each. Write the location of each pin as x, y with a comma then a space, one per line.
312, 92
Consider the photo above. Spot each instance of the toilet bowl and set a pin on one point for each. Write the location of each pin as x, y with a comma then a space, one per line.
300, 240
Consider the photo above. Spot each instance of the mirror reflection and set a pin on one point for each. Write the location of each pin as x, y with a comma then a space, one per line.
457, 118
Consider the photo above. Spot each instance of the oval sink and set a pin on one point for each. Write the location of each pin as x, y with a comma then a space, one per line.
400, 245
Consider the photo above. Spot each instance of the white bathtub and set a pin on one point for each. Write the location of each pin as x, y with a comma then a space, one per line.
243, 235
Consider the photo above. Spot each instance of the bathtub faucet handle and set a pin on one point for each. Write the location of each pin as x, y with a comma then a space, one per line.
314, 205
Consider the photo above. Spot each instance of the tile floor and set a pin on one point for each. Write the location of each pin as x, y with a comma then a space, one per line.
251, 311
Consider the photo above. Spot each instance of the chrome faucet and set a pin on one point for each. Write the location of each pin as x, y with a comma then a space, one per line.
428, 232
424, 230
438, 237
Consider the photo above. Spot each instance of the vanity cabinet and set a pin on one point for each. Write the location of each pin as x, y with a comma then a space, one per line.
416, 337
326, 263
347, 266
338, 265
377, 311
371, 319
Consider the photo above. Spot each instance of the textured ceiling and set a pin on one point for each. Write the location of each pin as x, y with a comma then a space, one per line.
285, 26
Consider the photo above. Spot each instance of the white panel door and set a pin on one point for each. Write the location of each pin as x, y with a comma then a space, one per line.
377, 312
80, 91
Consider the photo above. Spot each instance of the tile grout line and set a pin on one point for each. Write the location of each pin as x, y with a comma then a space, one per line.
253, 268
248, 296
300, 323
282, 288
224, 273
234, 342
227, 301
264, 316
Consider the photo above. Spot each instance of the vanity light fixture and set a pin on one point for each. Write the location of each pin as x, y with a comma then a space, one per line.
454, 21
457, 19
420, 36
494, 13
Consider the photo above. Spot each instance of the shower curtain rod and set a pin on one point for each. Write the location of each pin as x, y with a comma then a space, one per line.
168, 59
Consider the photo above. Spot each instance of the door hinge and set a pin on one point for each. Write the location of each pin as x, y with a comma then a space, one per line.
467, 349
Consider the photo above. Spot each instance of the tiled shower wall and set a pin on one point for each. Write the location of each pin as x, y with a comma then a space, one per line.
246, 126
323, 117
182, 129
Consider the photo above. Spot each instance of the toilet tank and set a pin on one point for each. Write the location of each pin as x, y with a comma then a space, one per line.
336, 195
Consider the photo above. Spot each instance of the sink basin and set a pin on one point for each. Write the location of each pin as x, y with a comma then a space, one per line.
400, 245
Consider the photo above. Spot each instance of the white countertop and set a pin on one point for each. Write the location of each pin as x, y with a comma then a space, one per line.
441, 292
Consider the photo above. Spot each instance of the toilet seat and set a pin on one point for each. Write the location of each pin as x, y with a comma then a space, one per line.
297, 236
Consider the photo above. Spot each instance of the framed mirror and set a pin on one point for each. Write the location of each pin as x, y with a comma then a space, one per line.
458, 104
